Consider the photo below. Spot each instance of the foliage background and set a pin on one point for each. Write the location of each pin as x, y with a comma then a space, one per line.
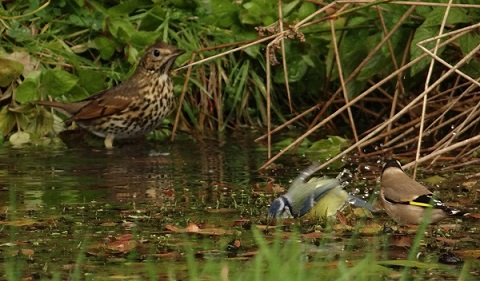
68, 50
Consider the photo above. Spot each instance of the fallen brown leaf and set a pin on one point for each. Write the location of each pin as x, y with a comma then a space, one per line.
169, 255
447, 240
372, 228
193, 228
221, 211
474, 254
122, 246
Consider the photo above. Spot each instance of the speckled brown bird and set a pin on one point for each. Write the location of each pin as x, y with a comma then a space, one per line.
132, 108
407, 201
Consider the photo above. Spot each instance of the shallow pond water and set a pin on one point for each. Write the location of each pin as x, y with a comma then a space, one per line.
144, 210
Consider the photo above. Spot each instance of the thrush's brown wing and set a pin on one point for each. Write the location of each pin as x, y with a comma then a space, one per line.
108, 102
68, 109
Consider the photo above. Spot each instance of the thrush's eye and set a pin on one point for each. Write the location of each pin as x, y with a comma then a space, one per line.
156, 53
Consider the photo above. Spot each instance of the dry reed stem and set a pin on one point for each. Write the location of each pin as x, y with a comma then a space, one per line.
284, 58
437, 116
359, 97
354, 72
342, 82
182, 95
298, 116
408, 3
269, 82
466, 57
452, 147
427, 82
331, 116
396, 116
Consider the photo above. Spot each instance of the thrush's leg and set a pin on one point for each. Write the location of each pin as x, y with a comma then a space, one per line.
109, 141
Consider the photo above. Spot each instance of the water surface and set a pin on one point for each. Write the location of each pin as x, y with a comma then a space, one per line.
100, 213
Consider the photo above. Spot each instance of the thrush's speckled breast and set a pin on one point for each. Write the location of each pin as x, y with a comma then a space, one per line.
132, 108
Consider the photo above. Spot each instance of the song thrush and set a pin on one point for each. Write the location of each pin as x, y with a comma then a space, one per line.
132, 108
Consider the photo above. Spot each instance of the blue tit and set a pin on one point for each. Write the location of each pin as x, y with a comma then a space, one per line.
407, 201
319, 197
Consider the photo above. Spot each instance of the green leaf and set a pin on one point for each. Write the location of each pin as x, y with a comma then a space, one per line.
280, 145
221, 13
91, 80
19, 32
288, 8
144, 38
19, 138
421, 34
468, 42
123, 9
325, 149
57, 82
258, 12
27, 91
471, 68
429, 29
305, 10
105, 46
9, 71
435, 17
7, 121
297, 66
42, 123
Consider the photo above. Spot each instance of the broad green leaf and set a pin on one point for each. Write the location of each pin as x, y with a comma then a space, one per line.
305, 10
19, 138
42, 123
435, 17
57, 82
221, 13
27, 91
325, 149
7, 121
92, 81
280, 145
144, 38
120, 28
105, 46
9, 71
471, 68
468, 42
76, 93
184, 4
421, 34
429, 29
19, 32
257, 12
297, 66
123, 9
288, 8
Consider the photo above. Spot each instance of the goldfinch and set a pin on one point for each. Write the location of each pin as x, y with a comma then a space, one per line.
408, 202
318, 197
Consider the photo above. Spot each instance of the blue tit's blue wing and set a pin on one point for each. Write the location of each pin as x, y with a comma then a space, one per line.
357, 202
281, 208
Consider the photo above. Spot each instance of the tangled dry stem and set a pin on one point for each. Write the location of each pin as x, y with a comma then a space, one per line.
440, 120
